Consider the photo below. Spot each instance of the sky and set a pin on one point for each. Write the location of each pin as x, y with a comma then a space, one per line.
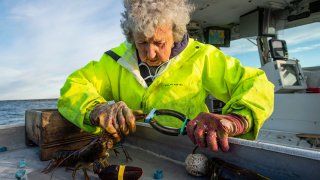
303, 44
42, 42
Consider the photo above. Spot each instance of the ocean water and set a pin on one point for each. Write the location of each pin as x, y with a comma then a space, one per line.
13, 111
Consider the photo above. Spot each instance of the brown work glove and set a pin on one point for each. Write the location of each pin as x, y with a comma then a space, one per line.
209, 129
117, 119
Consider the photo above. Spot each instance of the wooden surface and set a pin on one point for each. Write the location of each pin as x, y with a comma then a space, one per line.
51, 132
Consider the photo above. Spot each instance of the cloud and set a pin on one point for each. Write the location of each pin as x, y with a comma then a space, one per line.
42, 42
293, 37
305, 48
299, 39
7, 74
240, 46
45, 87
302, 34
47, 40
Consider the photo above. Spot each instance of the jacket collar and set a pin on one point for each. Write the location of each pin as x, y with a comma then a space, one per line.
129, 58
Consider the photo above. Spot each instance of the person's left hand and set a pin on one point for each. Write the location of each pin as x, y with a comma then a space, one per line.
211, 130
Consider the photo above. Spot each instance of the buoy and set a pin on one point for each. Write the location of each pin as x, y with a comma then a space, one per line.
197, 164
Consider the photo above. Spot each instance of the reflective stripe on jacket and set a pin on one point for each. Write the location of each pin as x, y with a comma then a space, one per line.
199, 70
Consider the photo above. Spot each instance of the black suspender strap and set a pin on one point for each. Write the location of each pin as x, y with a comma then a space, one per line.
112, 54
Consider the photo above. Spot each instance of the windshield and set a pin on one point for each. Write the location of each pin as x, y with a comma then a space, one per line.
245, 51
303, 44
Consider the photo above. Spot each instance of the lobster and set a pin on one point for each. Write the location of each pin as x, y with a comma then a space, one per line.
83, 158
95, 155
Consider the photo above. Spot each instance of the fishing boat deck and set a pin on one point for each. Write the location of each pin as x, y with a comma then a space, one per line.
275, 154
289, 139
147, 161
13, 138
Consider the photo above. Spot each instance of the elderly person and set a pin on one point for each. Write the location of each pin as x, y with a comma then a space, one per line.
160, 66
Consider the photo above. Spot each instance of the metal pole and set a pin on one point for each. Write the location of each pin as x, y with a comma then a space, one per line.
263, 47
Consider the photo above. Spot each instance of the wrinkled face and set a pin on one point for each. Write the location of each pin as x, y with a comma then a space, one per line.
156, 49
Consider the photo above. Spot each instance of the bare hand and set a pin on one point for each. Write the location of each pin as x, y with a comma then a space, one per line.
210, 130
117, 119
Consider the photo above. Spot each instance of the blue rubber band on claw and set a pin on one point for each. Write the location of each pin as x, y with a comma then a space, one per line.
183, 125
150, 115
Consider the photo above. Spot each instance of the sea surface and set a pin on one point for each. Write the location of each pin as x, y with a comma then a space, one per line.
13, 111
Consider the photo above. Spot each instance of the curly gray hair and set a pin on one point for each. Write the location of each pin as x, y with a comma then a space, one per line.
143, 16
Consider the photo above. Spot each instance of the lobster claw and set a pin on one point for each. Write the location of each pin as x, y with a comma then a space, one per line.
115, 172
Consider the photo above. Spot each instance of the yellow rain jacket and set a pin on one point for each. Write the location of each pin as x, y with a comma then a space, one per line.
199, 70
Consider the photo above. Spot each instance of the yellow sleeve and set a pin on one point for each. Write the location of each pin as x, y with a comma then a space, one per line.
245, 90
82, 91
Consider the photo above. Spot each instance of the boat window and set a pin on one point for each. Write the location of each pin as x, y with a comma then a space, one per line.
303, 43
245, 50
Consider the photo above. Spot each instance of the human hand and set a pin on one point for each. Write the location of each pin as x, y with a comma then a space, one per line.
117, 119
209, 129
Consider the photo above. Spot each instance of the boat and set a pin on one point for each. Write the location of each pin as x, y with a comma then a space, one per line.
288, 144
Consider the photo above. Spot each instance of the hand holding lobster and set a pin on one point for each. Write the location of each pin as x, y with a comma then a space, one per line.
117, 119
209, 129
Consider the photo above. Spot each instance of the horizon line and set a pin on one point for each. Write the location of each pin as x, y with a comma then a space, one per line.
29, 99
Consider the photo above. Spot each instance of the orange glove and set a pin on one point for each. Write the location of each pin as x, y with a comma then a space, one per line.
116, 119
209, 129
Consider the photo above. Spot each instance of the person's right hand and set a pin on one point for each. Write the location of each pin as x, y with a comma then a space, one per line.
117, 119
